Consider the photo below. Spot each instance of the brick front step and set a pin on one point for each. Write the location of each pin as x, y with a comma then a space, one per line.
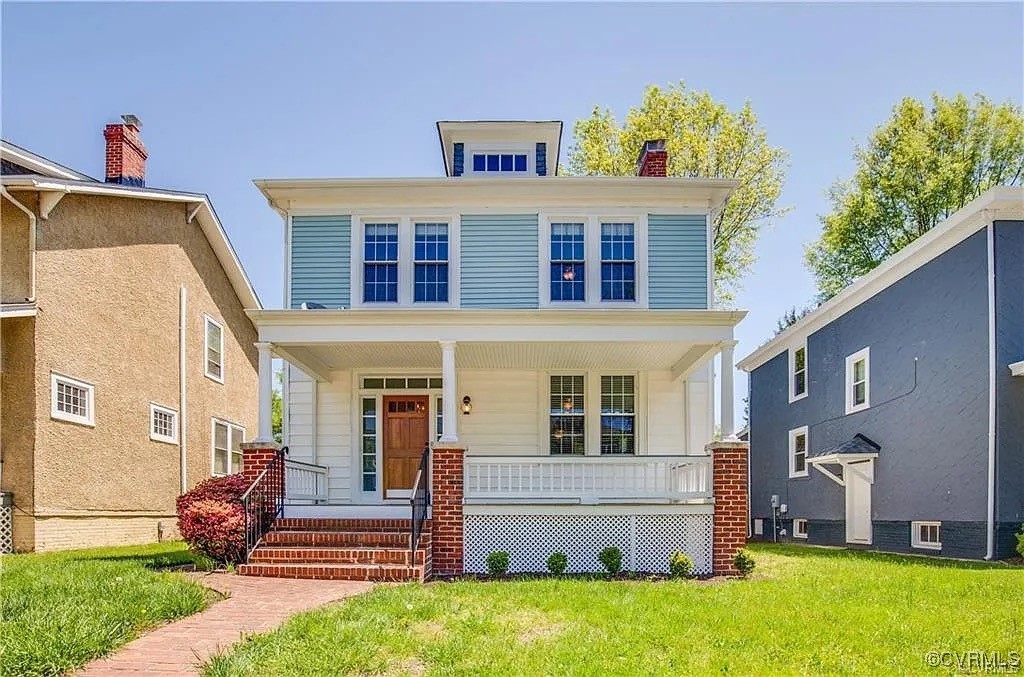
306, 555
344, 524
338, 572
341, 539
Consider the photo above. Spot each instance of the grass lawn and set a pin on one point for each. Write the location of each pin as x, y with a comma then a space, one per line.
803, 611
60, 610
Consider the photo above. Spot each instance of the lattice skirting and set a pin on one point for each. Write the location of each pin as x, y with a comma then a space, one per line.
646, 541
6, 529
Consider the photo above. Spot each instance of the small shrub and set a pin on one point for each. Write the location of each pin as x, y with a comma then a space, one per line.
498, 563
680, 565
743, 562
558, 563
1020, 541
611, 559
211, 519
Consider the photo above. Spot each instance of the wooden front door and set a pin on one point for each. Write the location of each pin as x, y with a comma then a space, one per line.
406, 433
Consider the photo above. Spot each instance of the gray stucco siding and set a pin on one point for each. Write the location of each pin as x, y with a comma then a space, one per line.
1008, 240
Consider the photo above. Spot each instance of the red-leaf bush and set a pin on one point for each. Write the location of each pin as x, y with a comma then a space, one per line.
211, 518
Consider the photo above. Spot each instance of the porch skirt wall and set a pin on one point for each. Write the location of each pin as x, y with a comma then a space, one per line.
647, 541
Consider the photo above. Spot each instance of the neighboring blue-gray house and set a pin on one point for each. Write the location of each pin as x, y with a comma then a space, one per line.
892, 417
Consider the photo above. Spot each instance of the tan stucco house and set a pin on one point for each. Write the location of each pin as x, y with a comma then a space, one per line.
128, 370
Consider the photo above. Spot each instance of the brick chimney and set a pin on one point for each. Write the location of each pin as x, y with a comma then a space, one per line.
126, 156
653, 160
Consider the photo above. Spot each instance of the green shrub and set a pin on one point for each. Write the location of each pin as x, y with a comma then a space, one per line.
680, 565
611, 560
1020, 541
498, 563
743, 562
558, 563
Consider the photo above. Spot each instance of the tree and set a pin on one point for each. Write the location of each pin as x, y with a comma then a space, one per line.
277, 407
791, 317
703, 139
917, 168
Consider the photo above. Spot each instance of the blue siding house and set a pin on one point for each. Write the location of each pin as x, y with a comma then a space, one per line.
892, 417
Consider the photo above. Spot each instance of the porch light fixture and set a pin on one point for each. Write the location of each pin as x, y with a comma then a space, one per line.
467, 405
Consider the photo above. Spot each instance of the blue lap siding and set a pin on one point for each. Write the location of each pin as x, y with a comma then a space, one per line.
677, 261
320, 261
499, 261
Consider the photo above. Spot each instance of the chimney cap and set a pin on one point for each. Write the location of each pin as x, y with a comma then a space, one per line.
132, 120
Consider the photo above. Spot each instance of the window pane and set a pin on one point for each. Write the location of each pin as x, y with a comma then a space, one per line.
439, 416
416, 383
380, 283
373, 383
506, 163
72, 399
435, 383
799, 462
858, 371
479, 162
394, 383
492, 163
220, 461
859, 393
568, 274
520, 163
800, 444
800, 383
799, 359
220, 436
618, 282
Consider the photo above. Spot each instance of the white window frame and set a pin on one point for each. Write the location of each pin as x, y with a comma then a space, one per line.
592, 408
915, 535
90, 400
406, 253
799, 527
207, 321
793, 434
793, 395
153, 409
592, 264
471, 149
851, 360
213, 445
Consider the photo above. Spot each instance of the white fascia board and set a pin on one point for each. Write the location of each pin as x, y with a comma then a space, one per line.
37, 163
995, 204
1017, 368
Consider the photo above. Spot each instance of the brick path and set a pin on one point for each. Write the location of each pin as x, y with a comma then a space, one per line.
255, 605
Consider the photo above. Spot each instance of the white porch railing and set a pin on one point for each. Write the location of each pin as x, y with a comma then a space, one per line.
587, 479
304, 481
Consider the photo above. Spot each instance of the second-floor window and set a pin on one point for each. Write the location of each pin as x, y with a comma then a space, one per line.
214, 353
618, 262
380, 263
499, 162
858, 381
797, 372
568, 262
431, 263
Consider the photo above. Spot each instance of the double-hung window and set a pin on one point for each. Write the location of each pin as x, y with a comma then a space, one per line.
567, 415
380, 263
798, 452
618, 415
618, 262
858, 381
72, 400
227, 450
431, 263
797, 372
568, 262
214, 350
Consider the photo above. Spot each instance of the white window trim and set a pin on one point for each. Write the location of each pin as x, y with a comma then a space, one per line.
799, 533
592, 409
915, 535
863, 354
153, 408
529, 148
90, 402
793, 434
213, 441
793, 396
592, 247
207, 320
406, 251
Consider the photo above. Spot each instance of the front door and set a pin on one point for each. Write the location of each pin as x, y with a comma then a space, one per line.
406, 433
858, 477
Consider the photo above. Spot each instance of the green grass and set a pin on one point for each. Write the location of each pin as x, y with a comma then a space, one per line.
60, 610
803, 611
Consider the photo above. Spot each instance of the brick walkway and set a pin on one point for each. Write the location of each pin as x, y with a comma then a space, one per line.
254, 605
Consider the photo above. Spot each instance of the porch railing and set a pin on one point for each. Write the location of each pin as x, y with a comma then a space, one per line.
305, 481
588, 479
419, 501
263, 501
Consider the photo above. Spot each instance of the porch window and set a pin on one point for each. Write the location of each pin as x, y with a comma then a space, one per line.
227, 450
214, 350
798, 452
858, 381
369, 450
797, 373
568, 262
568, 429
431, 263
380, 263
618, 414
618, 262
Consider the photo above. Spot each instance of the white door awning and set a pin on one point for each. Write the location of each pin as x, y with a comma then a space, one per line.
856, 455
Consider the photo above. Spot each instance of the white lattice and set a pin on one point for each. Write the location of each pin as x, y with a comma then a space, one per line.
646, 541
6, 529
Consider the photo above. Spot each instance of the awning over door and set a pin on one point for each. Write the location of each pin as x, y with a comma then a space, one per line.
854, 455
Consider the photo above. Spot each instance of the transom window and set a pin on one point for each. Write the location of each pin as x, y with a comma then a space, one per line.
72, 400
380, 263
568, 262
227, 450
618, 262
163, 424
499, 162
926, 535
214, 339
401, 383
431, 263
618, 413
798, 452
797, 373
567, 414
858, 381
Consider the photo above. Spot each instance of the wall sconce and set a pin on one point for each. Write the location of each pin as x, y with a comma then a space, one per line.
467, 405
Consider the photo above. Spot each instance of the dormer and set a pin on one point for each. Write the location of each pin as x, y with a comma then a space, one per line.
500, 148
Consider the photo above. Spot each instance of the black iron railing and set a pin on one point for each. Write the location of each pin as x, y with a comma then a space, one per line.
263, 502
420, 500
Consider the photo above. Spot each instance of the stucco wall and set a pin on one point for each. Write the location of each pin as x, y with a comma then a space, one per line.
15, 283
17, 432
108, 277
1009, 260
933, 461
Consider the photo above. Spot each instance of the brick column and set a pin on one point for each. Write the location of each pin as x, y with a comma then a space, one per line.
446, 509
255, 456
730, 460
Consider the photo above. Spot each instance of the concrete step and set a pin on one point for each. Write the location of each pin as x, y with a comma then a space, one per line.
341, 572
265, 554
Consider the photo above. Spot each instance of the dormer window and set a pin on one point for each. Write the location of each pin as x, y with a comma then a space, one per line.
499, 162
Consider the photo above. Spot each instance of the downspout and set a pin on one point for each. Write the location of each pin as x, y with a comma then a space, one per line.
990, 549
182, 396
31, 242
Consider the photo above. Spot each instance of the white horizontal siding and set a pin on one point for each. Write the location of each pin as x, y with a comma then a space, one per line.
299, 410
334, 434
666, 414
505, 417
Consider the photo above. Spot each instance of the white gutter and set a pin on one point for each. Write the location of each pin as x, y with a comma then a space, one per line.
182, 394
31, 242
990, 541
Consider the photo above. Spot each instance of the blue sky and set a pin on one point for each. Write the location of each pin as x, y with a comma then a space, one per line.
231, 92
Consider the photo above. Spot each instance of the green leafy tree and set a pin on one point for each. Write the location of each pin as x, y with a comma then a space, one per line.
920, 166
277, 407
703, 139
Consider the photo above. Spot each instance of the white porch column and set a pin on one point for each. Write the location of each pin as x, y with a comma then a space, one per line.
449, 410
265, 431
728, 394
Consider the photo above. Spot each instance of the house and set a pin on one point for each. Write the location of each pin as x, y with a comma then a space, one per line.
550, 338
128, 363
892, 417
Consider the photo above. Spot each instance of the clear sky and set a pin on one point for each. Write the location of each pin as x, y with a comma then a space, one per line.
232, 92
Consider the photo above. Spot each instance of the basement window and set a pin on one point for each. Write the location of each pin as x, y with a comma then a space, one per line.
926, 535
799, 528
